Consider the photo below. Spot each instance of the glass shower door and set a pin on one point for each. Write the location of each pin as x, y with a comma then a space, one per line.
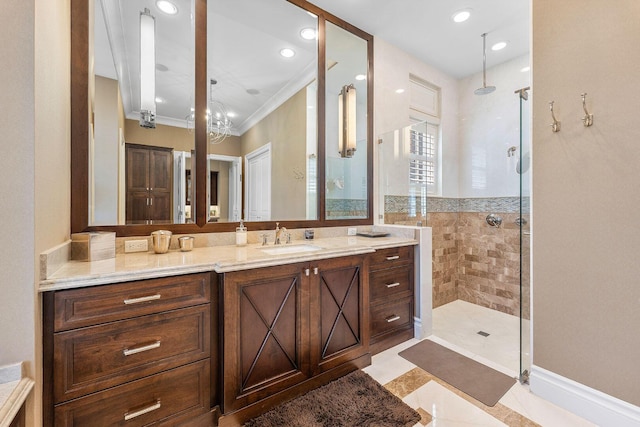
524, 172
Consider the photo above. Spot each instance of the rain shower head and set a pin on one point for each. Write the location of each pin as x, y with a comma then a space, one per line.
484, 89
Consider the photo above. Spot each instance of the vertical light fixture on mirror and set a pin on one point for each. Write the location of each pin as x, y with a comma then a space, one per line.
147, 69
347, 121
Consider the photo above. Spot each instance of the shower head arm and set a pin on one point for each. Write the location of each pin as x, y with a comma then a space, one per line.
484, 60
484, 89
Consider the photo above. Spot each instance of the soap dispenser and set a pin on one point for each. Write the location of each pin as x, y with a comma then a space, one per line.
241, 235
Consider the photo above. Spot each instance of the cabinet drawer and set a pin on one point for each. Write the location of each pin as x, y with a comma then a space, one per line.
391, 316
391, 257
76, 308
94, 358
391, 283
154, 400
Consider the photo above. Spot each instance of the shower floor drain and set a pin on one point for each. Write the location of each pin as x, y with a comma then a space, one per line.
483, 333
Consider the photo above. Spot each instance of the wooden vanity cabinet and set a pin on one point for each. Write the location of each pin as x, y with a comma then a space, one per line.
135, 353
288, 329
391, 277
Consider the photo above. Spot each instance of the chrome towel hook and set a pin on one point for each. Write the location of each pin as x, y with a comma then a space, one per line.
587, 120
555, 126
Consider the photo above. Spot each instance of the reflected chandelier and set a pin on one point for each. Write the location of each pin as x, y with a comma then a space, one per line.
218, 122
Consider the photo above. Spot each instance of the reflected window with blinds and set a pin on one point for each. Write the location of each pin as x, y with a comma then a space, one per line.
423, 156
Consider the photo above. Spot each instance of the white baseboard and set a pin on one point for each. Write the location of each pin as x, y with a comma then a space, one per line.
586, 402
417, 329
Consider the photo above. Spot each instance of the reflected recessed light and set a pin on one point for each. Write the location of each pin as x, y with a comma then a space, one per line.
312, 14
399, 90
361, 77
525, 69
159, 100
231, 114
287, 53
499, 45
308, 33
461, 15
167, 7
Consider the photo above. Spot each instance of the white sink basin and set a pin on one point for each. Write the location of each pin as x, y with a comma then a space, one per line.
290, 249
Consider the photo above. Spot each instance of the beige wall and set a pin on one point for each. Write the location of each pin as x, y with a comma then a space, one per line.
35, 185
231, 146
17, 186
52, 153
162, 136
585, 233
285, 129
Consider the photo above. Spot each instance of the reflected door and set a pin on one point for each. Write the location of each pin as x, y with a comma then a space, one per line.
148, 179
258, 185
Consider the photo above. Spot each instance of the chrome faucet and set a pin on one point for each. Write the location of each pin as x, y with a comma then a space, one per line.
279, 233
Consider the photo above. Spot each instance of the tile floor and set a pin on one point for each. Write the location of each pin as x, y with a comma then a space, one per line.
459, 323
441, 405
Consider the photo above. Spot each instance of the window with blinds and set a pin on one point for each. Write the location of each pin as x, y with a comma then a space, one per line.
423, 156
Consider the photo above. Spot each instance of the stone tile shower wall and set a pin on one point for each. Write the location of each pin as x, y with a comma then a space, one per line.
471, 260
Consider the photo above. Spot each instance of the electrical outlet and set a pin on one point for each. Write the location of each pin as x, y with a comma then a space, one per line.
136, 246
351, 231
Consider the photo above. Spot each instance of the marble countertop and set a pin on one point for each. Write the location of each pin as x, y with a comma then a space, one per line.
14, 390
221, 259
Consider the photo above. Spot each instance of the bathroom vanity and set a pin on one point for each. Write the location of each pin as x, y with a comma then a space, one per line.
220, 334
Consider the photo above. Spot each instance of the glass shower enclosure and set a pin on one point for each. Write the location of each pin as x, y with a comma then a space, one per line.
408, 195
524, 172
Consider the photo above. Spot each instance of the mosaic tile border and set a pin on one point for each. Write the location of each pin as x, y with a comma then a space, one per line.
346, 208
405, 204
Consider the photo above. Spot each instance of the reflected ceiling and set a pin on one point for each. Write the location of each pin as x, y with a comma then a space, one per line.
425, 29
236, 43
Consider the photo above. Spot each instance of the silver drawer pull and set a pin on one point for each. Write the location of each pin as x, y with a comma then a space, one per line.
391, 258
393, 285
392, 318
131, 415
130, 351
141, 299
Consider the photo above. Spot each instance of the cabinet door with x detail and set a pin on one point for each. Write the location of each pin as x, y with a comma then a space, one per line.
265, 332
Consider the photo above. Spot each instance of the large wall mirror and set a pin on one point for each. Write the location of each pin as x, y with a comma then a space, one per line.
203, 112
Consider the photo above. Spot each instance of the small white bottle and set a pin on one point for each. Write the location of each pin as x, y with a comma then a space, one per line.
241, 235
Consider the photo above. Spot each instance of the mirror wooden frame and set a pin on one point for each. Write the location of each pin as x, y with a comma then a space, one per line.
80, 130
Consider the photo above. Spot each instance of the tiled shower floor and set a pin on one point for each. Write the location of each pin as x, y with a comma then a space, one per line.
459, 322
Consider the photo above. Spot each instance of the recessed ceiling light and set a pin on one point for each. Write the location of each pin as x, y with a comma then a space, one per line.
361, 77
461, 15
287, 53
231, 114
525, 69
162, 67
499, 46
167, 7
399, 90
159, 100
308, 33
